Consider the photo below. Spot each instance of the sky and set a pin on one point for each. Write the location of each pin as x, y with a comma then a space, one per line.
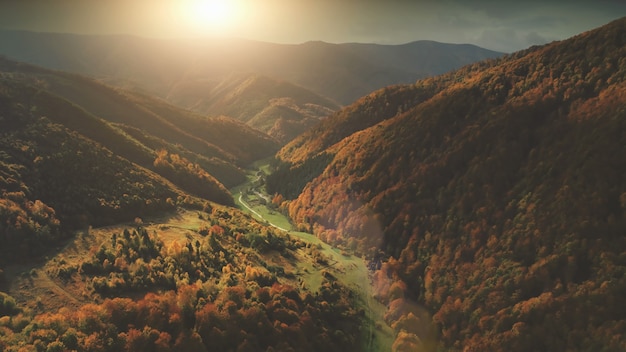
504, 25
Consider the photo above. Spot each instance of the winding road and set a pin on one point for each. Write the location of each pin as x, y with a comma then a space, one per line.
257, 214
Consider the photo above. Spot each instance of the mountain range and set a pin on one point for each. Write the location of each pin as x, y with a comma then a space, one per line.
287, 88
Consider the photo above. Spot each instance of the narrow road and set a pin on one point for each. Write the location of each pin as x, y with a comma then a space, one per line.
259, 215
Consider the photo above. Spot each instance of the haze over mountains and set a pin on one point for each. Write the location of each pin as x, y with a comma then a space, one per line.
201, 74
489, 201
278, 108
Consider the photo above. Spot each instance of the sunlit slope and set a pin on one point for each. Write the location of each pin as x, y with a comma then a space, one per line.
498, 191
365, 112
279, 108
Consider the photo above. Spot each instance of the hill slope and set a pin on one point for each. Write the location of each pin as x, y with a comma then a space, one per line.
219, 144
75, 153
341, 72
279, 108
53, 176
498, 191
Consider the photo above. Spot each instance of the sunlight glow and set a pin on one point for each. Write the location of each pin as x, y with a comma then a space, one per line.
212, 15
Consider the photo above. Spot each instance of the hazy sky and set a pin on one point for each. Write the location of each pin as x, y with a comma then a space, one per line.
503, 25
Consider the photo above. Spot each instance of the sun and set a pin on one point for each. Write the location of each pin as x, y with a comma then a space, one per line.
211, 15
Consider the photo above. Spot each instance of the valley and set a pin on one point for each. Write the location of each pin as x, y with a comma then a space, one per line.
247, 196
351, 270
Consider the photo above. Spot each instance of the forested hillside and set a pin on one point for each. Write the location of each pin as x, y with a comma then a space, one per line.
54, 177
495, 196
217, 137
138, 127
78, 153
211, 280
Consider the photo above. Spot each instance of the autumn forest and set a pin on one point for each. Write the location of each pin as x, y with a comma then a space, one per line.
481, 207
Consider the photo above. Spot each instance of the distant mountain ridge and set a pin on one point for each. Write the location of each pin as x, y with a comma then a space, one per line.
342, 72
494, 195
426, 57
177, 69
